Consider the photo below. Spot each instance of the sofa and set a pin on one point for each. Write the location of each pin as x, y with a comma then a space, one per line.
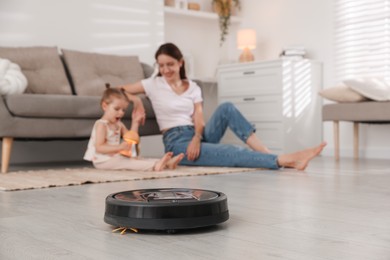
62, 98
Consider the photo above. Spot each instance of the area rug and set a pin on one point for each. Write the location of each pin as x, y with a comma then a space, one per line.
24, 180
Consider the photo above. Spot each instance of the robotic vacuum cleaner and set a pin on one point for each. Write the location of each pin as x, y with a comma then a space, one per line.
167, 209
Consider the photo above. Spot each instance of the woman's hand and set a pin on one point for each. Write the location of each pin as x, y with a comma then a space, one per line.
193, 149
138, 109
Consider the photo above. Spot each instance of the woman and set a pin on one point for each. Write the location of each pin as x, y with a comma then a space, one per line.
177, 103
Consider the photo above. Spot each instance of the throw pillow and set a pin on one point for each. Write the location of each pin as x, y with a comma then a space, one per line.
373, 88
42, 67
12, 80
342, 94
91, 71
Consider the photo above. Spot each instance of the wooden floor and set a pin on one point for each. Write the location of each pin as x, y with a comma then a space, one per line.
331, 211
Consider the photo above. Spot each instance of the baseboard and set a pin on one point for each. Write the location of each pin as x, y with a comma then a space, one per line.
367, 153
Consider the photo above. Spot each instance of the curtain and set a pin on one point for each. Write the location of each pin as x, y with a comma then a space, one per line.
362, 38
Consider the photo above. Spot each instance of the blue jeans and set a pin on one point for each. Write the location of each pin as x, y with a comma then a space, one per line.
212, 153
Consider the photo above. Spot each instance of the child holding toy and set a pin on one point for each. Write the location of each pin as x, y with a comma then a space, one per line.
105, 149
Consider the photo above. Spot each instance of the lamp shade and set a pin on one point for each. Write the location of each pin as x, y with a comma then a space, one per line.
246, 38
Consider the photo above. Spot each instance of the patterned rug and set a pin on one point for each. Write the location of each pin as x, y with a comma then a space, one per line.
24, 180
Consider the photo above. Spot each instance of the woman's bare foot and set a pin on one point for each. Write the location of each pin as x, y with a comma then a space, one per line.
300, 160
162, 164
172, 163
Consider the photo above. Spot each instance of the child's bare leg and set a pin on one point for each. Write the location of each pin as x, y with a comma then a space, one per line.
300, 160
162, 163
172, 163
256, 144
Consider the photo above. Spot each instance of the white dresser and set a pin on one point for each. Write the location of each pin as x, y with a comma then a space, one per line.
279, 97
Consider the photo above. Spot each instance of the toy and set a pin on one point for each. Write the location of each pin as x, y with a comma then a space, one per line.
132, 138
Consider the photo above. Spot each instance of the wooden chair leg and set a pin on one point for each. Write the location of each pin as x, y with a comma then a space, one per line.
336, 139
6, 153
356, 140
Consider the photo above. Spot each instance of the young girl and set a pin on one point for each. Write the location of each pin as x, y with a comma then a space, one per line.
105, 149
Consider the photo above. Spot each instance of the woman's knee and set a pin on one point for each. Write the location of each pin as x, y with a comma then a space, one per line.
226, 107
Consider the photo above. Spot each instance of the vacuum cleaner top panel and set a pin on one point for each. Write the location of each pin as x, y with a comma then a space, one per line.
166, 196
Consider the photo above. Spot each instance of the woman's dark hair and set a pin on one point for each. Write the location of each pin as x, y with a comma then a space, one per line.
173, 51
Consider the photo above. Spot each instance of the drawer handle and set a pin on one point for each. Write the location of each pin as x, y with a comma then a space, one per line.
248, 72
249, 99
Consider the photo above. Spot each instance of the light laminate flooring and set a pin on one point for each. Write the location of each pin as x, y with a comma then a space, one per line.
330, 211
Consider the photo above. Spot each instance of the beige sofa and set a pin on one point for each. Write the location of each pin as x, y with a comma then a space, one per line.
63, 94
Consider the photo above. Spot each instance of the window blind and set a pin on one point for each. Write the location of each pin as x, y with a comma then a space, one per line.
362, 38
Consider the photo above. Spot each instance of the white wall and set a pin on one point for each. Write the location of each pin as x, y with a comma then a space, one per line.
199, 38
279, 23
93, 25
106, 26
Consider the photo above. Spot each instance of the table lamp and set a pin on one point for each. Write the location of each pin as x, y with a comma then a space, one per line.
246, 41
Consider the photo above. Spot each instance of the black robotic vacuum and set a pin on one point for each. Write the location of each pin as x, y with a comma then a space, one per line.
167, 209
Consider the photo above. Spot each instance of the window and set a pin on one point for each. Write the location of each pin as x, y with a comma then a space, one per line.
362, 38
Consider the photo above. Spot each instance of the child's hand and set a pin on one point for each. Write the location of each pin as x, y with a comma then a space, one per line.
139, 111
125, 146
138, 118
131, 137
125, 149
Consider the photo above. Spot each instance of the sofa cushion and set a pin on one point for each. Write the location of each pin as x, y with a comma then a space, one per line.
369, 111
342, 94
373, 88
63, 106
91, 71
42, 67
53, 106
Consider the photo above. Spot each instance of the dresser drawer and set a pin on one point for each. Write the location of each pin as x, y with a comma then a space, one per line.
250, 81
258, 108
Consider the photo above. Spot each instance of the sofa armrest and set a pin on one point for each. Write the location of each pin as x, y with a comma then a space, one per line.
148, 70
206, 83
210, 96
6, 119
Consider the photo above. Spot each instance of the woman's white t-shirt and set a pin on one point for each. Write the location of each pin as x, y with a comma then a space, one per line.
170, 108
